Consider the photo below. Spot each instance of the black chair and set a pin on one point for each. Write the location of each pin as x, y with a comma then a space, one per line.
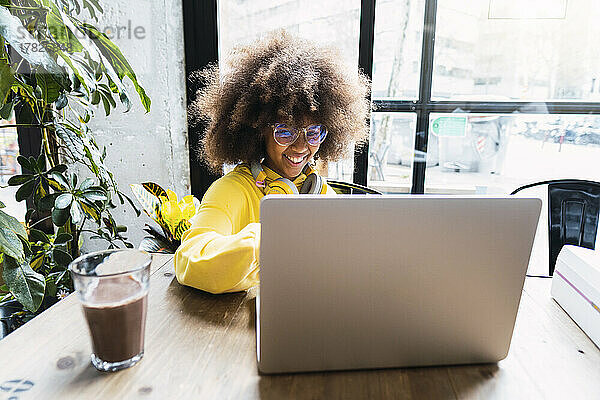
350, 188
573, 207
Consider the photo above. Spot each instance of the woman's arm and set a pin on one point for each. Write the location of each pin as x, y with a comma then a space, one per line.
212, 256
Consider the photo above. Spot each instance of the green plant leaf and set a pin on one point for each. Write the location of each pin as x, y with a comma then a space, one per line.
181, 228
63, 201
94, 58
60, 179
90, 5
81, 76
11, 29
47, 202
40, 192
6, 110
26, 163
155, 189
108, 221
38, 236
61, 102
49, 88
150, 203
73, 142
26, 190
10, 244
106, 105
13, 224
19, 179
26, 247
86, 184
7, 77
24, 283
60, 32
2, 205
37, 262
95, 97
95, 195
116, 59
41, 162
60, 216
63, 238
59, 168
76, 213
50, 288
90, 211
61, 257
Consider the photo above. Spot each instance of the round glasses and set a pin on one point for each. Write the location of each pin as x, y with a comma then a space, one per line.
286, 136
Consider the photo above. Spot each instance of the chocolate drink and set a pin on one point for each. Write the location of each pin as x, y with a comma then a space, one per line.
116, 316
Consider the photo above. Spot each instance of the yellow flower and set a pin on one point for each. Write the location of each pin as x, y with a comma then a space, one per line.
164, 207
176, 214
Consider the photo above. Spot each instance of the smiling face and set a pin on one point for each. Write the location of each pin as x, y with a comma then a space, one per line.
288, 161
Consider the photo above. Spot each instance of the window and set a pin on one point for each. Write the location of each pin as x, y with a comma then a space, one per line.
489, 94
328, 21
9, 150
507, 95
469, 97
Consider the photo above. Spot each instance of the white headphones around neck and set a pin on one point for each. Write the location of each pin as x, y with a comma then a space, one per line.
314, 184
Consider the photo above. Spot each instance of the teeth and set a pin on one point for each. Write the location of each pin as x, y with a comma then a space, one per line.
295, 160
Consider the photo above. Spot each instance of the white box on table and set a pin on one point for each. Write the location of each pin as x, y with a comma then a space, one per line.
576, 287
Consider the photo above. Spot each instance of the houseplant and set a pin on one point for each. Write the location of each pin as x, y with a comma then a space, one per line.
55, 72
171, 214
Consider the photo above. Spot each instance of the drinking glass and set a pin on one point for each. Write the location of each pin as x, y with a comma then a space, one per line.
112, 286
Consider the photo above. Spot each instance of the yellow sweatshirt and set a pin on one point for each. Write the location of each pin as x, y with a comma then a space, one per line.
219, 253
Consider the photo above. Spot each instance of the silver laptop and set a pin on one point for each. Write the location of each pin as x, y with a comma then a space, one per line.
353, 282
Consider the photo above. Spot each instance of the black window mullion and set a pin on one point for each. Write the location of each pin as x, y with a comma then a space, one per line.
365, 63
500, 107
422, 131
201, 49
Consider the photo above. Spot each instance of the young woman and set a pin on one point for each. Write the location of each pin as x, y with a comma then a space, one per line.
279, 105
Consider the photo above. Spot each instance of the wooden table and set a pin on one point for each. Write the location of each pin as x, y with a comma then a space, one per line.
202, 346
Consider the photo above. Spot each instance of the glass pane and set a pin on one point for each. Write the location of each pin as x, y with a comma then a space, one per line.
329, 22
495, 154
391, 152
397, 48
339, 171
9, 150
538, 50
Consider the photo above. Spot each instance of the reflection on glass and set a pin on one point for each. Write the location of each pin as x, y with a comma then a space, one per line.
496, 51
342, 170
391, 152
397, 48
9, 150
330, 22
496, 153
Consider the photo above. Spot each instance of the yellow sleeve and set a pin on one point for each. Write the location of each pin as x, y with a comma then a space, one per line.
214, 257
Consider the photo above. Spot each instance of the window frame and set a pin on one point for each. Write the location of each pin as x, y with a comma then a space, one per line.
424, 106
200, 29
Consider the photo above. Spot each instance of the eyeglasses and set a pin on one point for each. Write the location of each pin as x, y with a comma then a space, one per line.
286, 136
